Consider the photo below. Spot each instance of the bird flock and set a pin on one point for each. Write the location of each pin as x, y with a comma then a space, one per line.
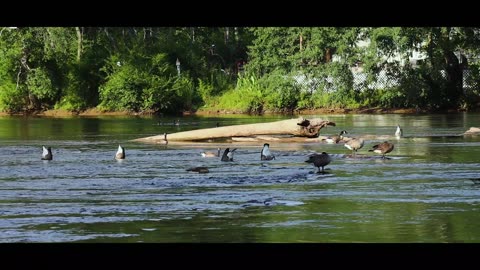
319, 160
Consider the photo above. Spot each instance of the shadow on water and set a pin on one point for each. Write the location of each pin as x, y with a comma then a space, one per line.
422, 191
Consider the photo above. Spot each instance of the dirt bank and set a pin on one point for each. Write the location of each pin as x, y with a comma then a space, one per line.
96, 112
64, 113
325, 111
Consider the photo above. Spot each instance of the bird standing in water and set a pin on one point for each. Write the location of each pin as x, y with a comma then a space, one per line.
354, 145
47, 153
228, 155
320, 160
265, 154
120, 153
382, 148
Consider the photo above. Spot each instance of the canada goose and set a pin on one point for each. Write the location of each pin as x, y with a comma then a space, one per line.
120, 153
211, 154
382, 148
265, 154
198, 169
228, 155
47, 153
164, 141
336, 138
399, 132
320, 160
354, 144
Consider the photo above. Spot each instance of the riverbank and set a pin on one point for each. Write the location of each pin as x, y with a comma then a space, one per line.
96, 112
324, 111
64, 113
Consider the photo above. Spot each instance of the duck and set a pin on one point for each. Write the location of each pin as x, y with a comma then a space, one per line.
382, 148
398, 132
211, 154
354, 144
228, 155
265, 153
120, 153
320, 160
47, 153
337, 138
198, 169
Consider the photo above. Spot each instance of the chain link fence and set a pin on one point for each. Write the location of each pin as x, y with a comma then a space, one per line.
383, 81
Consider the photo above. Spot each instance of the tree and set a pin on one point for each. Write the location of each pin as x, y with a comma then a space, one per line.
442, 70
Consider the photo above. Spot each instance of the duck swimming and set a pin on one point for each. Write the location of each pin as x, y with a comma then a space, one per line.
198, 169
337, 138
211, 154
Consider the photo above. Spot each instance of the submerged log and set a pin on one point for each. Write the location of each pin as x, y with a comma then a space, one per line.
297, 127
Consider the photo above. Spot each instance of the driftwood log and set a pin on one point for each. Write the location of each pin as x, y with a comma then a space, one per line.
472, 130
297, 127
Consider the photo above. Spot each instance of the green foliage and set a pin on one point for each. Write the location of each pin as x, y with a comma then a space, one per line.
217, 83
415, 90
385, 98
75, 68
205, 89
74, 97
12, 99
334, 88
288, 68
472, 92
247, 97
144, 84
280, 92
185, 93
242, 100
39, 84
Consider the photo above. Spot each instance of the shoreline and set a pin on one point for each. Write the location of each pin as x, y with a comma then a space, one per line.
95, 112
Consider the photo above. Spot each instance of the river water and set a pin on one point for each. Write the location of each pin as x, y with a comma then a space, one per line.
422, 193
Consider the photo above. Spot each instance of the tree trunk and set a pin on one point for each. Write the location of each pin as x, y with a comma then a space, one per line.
227, 34
454, 86
301, 42
79, 43
329, 54
298, 127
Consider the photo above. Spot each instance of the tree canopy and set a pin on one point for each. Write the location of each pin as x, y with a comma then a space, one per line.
249, 69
